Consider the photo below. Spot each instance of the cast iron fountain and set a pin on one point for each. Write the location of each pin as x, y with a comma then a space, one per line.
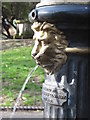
61, 48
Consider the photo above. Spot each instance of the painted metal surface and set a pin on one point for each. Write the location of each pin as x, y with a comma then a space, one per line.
65, 13
71, 100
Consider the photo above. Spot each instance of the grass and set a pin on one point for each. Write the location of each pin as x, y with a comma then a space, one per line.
16, 65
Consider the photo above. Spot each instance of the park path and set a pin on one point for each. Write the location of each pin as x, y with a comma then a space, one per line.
14, 43
22, 114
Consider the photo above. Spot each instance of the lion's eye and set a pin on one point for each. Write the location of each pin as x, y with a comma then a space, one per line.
43, 36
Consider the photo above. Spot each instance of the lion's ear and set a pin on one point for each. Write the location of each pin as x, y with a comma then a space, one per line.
36, 26
43, 24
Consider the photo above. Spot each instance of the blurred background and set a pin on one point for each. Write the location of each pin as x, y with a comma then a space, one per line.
16, 60
15, 24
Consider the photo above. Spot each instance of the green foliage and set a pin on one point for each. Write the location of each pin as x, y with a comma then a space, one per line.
16, 65
19, 9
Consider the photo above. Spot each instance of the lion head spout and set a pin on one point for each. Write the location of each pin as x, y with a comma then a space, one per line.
50, 43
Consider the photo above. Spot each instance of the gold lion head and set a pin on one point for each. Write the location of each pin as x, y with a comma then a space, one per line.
50, 43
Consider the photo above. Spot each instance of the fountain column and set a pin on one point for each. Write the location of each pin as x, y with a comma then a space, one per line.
61, 48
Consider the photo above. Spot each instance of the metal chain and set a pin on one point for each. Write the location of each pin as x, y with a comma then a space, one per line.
22, 108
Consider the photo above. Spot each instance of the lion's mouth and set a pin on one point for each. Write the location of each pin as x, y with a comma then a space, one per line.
44, 64
37, 62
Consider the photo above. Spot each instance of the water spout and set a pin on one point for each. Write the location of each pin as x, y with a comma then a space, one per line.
22, 89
